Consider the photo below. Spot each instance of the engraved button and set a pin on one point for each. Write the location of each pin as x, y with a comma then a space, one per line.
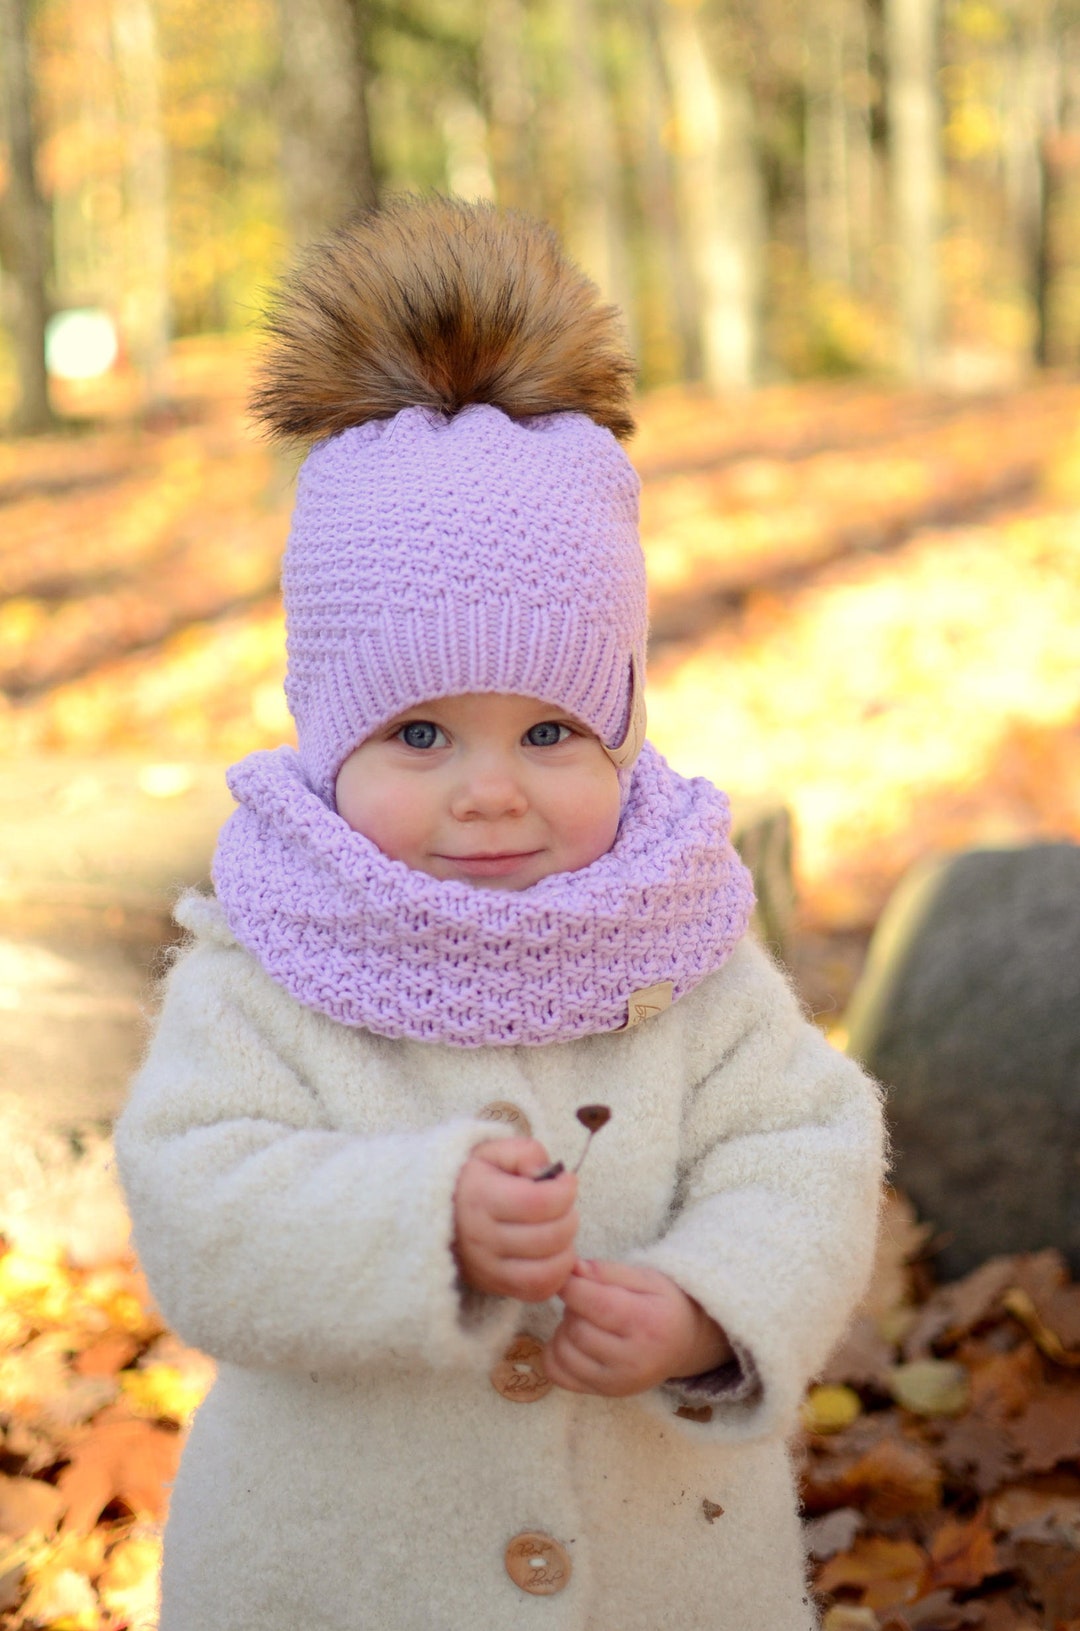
509, 1114
519, 1375
538, 1564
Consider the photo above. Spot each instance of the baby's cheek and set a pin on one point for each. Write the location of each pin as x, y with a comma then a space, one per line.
598, 841
591, 820
394, 823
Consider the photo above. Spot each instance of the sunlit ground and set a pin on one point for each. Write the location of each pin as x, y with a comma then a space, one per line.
867, 603
925, 700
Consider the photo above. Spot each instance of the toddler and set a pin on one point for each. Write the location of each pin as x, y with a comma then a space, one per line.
454, 1394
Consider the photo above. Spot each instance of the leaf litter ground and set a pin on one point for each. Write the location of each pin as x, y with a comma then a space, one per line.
940, 1452
939, 1455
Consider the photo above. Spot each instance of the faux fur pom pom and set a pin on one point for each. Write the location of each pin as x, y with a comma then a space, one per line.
438, 303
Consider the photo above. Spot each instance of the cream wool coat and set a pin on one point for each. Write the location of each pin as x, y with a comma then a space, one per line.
354, 1468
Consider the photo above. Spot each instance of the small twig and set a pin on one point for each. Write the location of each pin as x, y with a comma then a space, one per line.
592, 1117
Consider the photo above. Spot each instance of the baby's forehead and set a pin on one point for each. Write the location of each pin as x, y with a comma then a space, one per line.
494, 708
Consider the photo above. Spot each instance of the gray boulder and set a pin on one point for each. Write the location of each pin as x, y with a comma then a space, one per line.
969, 1012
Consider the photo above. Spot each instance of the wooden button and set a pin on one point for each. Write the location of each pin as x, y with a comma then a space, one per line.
519, 1375
509, 1114
538, 1564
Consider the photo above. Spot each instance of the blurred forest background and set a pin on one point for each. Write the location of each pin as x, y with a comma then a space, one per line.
846, 238
845, 235
776, 190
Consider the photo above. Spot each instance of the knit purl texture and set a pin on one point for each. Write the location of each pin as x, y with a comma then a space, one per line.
371, 942
434, 556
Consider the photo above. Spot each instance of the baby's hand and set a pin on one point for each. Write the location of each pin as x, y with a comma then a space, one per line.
628, 1328
514, 1237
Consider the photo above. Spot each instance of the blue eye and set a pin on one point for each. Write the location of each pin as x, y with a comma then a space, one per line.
547, 735
420, 733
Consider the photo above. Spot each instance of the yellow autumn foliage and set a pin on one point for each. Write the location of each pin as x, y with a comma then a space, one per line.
163, 1392
830, 1409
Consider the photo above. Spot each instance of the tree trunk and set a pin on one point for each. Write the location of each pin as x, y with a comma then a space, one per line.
509, 103
90, 263
721, 197
862, 163
598, 229
24, 224
146, 313
1032, 126
664, 237
1040, 280
911, 45
828, 189
323, 115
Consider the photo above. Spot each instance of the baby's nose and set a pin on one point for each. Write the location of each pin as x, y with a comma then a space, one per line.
489, 794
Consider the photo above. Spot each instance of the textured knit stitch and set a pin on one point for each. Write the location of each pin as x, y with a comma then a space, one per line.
434, 557
370, 942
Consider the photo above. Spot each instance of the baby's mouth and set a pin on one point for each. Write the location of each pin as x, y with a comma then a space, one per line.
490, 864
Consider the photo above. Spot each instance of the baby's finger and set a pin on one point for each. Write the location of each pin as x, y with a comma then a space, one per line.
536, 1239
630, 1276
568, 1368
562, 1377
589, 1342
609, 1307
515, 1199
524, 1156
532, 1279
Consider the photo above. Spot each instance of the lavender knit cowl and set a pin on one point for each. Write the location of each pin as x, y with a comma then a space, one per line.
370, 942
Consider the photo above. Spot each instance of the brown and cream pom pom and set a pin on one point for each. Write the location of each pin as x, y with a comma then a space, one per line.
436, 303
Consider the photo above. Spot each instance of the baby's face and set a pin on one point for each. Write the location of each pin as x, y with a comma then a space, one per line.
497, 791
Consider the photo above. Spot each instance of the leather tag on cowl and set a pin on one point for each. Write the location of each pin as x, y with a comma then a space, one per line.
642, 1005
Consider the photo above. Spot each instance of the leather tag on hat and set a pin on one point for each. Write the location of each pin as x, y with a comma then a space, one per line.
631, 744
642, 1005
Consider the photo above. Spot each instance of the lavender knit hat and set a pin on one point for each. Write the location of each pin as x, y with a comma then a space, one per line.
466, 520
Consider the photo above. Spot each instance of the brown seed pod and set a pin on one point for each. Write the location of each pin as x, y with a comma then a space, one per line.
593, 1117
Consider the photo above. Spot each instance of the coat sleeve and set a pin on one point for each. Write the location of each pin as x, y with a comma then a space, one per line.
775, 1218
268, 1238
